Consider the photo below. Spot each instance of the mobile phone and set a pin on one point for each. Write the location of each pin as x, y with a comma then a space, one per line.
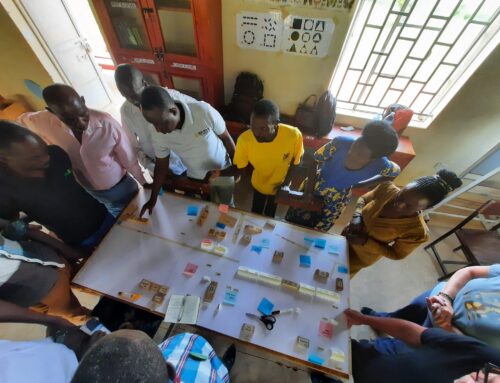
92, 326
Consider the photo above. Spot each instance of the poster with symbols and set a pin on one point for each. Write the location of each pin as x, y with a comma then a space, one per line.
307, 36
259, 30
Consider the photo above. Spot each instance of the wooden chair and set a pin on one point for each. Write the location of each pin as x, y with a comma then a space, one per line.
480, 247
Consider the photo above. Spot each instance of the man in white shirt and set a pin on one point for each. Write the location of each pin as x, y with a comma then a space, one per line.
197, 133
131, 82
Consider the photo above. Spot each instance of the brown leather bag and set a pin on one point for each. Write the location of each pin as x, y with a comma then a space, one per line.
304, 115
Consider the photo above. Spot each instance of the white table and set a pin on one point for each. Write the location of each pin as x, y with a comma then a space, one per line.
160, 250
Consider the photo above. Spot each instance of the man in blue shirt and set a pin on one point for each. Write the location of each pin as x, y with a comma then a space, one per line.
469, 302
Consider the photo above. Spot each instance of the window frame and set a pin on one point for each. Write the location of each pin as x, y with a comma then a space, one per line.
487, 40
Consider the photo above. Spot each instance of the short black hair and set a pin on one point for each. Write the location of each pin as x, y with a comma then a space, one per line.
264, 108
436, 187
57, 93
155, 97
127, 73
120, 359
11, 132
381, 138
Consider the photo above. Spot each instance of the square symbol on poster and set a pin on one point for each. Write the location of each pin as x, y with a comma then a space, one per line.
308, 241
343, 269
315, 359
230, 296
326, 328
265, 243
256, 249
320, 243
192, 211
305, 260
190, 269
333, 249
265, 306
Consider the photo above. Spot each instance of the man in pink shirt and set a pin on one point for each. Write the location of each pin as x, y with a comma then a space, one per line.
101, 152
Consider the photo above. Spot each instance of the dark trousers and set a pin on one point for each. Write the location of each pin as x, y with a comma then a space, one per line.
263, 204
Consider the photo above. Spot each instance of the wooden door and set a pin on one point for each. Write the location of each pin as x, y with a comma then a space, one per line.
180, 41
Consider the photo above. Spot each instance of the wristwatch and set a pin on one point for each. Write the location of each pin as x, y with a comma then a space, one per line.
16, 230
450, 299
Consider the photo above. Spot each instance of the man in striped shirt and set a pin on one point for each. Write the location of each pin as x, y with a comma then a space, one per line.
131, 356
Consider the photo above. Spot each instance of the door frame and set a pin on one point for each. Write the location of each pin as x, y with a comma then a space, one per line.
37, 43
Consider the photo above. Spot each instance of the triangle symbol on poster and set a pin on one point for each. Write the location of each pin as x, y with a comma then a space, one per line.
303, 49
320, 26
292, 48
314, 51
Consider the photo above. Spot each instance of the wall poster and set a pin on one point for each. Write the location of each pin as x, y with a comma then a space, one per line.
259, 30
307, 36
337, 5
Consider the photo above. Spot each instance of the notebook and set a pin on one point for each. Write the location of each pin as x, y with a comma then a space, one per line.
183, 309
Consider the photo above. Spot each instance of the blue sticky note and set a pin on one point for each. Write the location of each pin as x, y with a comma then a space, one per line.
333, 249
343, 269
320, 243
256, 249
192, 210
265, 243
305, 260
220, 225
230, 297
308, 241
160, 193
315, 359
265, 306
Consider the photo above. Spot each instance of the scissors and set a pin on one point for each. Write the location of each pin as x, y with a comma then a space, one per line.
268, 320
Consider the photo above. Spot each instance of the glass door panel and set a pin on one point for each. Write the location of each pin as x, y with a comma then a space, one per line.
178, 30
190, 86
126, 18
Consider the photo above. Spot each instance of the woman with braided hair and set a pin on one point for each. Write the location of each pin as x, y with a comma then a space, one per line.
388, 221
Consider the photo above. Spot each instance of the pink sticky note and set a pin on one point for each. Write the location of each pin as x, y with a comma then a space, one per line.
326, 328
224, 208
190, 269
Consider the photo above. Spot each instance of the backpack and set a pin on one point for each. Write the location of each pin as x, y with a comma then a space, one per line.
248, 89
398, 116
324, 115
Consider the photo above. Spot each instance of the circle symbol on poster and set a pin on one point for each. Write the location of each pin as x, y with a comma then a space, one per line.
306, 36
317, 37
248, 37
295, 35
308, 24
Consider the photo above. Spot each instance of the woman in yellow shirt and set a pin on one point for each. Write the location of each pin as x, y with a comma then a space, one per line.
388, 221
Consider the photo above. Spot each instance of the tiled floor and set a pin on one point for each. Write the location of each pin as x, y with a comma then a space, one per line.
386, 285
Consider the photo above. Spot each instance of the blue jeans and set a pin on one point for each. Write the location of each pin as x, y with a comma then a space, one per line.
118, 197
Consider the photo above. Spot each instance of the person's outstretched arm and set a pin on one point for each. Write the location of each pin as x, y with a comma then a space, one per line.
10, 312
160, 175
404, 330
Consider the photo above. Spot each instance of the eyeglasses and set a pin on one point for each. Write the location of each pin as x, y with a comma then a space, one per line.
488, 368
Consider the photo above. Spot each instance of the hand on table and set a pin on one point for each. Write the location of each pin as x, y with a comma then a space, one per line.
354, 318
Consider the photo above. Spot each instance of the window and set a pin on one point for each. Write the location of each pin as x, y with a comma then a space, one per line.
416, 53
